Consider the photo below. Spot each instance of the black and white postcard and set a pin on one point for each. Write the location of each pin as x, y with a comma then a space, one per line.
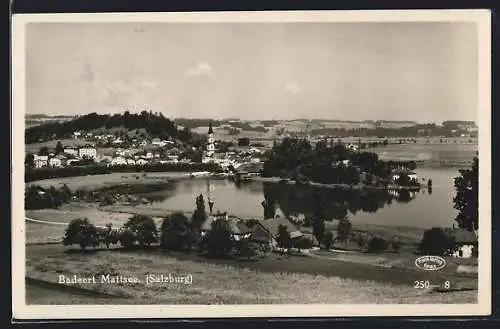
251, 164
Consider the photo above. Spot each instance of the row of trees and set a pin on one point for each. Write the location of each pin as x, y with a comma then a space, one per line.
176, 233
410, 131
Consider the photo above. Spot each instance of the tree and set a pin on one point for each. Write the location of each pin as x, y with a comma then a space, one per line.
269, 208
59, 148
199, 214
29, 160
318, 227
344, 229
44, 150
175, 233
466, 197
328, 240
218, 240
127, 238
284, 240
144, 229
81, 232
108, 235
436, 242
244, 141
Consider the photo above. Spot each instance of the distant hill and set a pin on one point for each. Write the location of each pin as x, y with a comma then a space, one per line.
155, 124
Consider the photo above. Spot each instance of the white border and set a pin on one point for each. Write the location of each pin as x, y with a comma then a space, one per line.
22, 311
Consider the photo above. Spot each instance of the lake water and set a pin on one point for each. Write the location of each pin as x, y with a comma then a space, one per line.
421, 209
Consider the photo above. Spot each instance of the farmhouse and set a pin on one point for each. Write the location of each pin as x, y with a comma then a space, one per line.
465, 241
266, 231
239, 230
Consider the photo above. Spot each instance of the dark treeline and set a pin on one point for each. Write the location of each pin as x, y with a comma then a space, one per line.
156, 125
334, 204
299, 160
412, 131
36, 197
46, 173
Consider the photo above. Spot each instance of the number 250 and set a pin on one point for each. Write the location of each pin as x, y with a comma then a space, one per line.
421, 285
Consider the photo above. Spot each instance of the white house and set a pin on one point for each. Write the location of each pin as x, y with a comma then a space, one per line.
141, 162
89, 152
40, 160
71, 151
465, 242
131, 162
118, 161
55, 162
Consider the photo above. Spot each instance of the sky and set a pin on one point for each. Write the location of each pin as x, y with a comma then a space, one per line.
419, 71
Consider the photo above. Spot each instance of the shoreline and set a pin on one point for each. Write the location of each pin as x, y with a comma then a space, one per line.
54, 220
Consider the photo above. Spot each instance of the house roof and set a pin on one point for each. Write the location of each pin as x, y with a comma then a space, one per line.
461, 235
236, 225
271, 225
404, 171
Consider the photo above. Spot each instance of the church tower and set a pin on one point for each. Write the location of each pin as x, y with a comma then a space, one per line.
210, 141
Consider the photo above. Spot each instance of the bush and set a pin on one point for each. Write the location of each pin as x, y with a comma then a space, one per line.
302, 243
377, 244
343, 229
328, 240
436, 242
108, 235
82, 232
144, 229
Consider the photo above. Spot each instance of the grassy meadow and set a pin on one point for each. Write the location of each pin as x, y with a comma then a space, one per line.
226, 283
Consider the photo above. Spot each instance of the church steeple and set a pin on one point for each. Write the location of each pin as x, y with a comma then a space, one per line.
210, 141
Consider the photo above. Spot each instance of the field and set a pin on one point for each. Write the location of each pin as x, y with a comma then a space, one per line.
97, 181
276, 279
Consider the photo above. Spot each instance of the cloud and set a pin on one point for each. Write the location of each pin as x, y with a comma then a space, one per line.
292, 87
201, 68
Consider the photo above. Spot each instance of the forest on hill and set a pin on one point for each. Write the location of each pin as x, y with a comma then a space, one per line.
155, 124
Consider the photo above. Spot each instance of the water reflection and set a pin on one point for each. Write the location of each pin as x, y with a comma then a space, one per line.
331, 203
256, 199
